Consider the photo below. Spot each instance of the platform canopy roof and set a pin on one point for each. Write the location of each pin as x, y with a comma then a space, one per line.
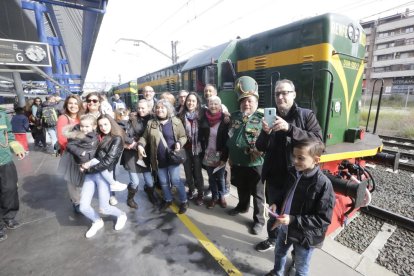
75, 23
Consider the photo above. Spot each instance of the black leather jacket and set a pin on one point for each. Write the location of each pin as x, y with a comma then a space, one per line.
108, 153
311, 209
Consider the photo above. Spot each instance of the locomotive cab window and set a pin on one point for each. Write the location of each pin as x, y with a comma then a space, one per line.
227, 75
209, 74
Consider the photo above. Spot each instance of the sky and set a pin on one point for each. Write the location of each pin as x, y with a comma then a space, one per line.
197, 25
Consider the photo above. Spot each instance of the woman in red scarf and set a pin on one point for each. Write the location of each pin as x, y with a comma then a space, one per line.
213, 139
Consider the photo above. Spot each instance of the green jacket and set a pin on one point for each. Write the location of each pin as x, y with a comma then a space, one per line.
243, 134
7, 140
152, 136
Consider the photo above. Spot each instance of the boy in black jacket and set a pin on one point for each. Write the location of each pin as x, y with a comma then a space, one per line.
82, 144
305, 211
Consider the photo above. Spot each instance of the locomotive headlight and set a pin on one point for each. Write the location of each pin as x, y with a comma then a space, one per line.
351, 32
357, 33
359, 105
337, 107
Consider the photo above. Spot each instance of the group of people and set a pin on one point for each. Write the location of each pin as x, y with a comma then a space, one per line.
276, 164
39, 118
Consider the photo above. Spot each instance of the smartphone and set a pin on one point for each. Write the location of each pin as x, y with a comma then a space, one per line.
270, 115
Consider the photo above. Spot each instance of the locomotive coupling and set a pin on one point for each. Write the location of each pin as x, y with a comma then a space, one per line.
388, 159
356, 191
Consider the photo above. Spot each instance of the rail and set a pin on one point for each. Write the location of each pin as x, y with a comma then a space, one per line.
378, 212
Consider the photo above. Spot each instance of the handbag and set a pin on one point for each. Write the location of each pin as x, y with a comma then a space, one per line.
174, 157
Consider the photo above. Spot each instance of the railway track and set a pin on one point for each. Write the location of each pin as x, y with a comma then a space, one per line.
399, 220
391, 211
398, 142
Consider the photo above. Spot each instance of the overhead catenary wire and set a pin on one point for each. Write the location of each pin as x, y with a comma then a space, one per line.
197, 16
168, 18
390, 9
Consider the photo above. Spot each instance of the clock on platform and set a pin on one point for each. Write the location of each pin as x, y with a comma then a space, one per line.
35, 53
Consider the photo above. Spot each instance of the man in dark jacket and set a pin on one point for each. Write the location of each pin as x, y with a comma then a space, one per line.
292, 124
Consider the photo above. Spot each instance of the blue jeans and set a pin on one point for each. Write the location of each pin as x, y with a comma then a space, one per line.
149, 181
171, 173
107, 175
216, 182
302, 255
51, 131
92, 182
134, 179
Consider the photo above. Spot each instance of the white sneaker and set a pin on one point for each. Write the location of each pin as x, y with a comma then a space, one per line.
94, 228
113, 201
120, 222
118, 186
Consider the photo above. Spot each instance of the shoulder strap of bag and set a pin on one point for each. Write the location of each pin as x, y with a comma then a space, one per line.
162, 135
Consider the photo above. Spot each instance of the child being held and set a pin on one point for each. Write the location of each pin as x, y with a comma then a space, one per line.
305, 211
82, 144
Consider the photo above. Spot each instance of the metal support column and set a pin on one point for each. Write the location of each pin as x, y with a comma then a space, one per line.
21, 102
54, 41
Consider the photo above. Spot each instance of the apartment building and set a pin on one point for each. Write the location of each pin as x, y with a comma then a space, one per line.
390, 53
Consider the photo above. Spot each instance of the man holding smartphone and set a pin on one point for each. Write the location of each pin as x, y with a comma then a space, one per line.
292, 123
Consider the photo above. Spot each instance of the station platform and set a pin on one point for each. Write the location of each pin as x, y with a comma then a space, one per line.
51, 239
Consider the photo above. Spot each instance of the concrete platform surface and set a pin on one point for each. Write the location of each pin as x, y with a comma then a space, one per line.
51, 239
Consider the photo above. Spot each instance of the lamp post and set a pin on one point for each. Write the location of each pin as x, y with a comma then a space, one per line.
173, 56
406, 98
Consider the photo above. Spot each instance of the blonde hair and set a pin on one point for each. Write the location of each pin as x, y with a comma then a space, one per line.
90, 118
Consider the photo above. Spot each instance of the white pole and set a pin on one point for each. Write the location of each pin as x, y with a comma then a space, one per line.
406, 98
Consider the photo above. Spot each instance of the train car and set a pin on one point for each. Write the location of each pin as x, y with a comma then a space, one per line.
128, 93
324, 57
163, 80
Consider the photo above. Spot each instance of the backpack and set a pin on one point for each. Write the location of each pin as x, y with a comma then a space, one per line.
49, 116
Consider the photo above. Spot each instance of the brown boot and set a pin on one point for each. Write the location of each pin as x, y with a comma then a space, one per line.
130, 199
223, 203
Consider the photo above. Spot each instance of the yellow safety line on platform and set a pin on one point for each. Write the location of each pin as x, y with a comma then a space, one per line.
228, 267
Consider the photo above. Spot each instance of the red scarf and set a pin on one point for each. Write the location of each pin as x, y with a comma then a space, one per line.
213, 118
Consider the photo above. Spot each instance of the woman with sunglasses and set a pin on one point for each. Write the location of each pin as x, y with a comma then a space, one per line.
73, 109
93, 103
108, 152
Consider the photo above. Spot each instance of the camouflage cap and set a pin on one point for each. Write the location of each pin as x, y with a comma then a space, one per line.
246, 86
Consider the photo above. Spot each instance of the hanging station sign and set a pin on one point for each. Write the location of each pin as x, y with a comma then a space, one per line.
24, 53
